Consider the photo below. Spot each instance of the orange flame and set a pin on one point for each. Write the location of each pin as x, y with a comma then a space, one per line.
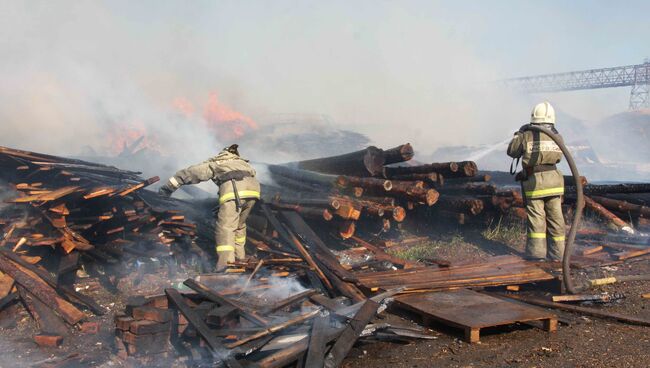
224, 122
128, 140
184, 105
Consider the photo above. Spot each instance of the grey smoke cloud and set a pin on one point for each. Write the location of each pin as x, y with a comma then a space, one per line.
419, 72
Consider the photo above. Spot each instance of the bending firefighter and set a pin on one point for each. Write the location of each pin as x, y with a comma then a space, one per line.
542, 185
238, 192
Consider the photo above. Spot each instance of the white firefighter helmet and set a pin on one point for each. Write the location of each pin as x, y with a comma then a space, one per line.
543, 113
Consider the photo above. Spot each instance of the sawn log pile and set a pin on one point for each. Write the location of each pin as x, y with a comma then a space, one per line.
60, 215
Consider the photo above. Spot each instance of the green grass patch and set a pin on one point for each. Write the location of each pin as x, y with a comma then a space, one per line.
427, 250
507, 233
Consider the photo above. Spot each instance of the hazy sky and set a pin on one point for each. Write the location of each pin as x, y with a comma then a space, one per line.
414, 71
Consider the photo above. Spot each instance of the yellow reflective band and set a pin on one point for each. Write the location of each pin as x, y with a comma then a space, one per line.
225, 248
559, 238
537, 235
240, 240
174, 182
543, 192
242, 194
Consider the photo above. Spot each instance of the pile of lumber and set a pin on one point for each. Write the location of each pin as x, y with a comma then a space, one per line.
61, 214
379, 188
212, 324
499, 270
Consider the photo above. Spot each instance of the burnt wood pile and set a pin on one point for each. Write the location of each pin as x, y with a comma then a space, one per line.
380, 189
235, 325
295, 300
59, 215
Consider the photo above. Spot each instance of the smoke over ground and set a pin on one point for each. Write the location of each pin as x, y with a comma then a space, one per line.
75, 74
79, 77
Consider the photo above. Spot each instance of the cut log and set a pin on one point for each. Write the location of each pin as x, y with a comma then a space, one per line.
367, 162
415, 192
448, 169
429, 178
623, 206
606, 215
311, 177
461, 204
398, 154
373, 184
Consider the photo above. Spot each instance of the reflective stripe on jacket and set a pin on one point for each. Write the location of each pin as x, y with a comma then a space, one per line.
535, 149
214, 169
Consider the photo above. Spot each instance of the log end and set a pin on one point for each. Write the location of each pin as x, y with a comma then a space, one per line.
431, 197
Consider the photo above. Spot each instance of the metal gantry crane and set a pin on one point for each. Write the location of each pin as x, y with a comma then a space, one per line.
636, 76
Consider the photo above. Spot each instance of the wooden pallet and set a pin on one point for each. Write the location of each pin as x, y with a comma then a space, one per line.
472, 311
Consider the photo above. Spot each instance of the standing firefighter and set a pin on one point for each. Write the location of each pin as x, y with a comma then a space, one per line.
238, 192
542, 184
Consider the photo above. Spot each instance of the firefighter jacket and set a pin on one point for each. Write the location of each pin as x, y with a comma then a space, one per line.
221, 169
539, 154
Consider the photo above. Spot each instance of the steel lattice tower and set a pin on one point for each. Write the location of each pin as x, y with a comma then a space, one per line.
635, 76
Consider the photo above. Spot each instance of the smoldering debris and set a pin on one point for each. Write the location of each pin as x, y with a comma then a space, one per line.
308, 291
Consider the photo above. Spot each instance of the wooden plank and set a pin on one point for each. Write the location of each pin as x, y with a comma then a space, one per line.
316, 244
312, 275
350, 334
6, 284
215, 297
588, 297
317, 343
48, 322
8, 299
275, 328
582, 310
195, 321
41, 290
469, 310
138, 186
289, 301
68, 291
289, 355
632, 253
310, 261
68, 263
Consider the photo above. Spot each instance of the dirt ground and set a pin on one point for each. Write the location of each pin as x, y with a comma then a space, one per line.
583, 342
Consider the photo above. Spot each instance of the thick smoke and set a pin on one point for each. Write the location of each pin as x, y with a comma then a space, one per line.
76, 74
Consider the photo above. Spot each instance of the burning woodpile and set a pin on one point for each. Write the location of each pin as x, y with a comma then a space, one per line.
298, 299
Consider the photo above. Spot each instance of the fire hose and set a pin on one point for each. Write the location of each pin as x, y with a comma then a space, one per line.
580, 203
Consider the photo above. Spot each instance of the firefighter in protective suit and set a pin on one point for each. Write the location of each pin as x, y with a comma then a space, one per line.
542, 185
238, 192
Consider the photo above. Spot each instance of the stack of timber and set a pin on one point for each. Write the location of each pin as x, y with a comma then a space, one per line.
378, 189
499, 270
62, 214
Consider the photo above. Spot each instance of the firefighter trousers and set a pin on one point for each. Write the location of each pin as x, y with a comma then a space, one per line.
545, 227
230, 232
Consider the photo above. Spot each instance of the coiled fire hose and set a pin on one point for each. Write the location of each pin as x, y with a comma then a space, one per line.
580, 204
